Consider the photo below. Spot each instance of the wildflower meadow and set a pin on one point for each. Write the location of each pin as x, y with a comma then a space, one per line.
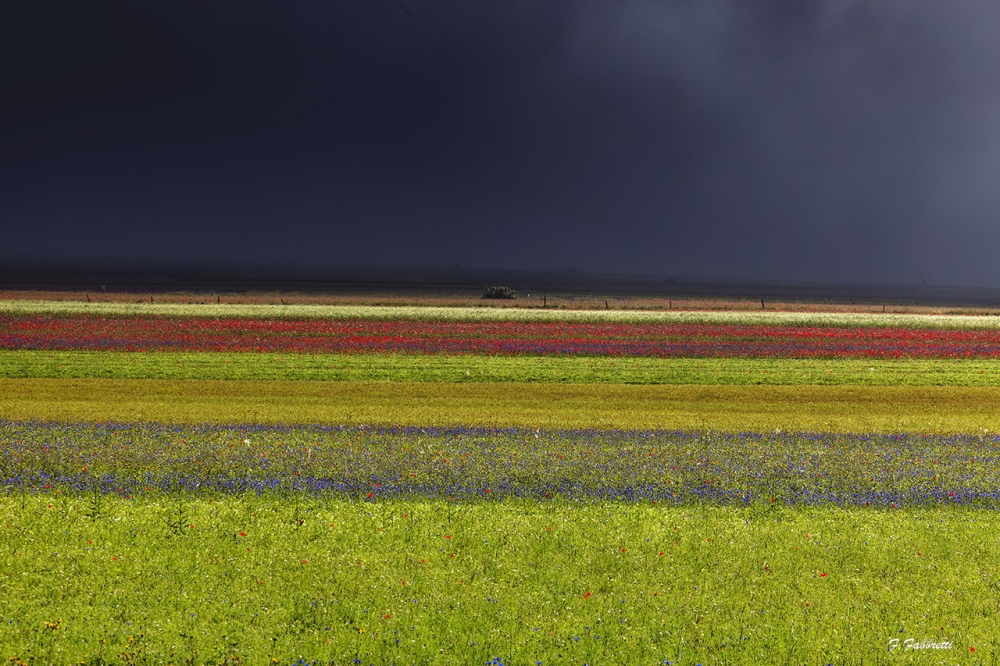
397, 486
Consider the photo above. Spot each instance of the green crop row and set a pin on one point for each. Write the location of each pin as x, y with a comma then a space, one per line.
470, 368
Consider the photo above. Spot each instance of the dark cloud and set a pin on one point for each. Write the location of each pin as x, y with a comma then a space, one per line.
799, 140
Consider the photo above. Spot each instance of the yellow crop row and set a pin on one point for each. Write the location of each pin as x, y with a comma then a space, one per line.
731, 408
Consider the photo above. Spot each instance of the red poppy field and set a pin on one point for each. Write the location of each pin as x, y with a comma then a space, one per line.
135, 334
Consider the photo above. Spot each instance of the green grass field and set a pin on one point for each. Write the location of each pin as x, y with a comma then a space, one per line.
470, 368
250, 579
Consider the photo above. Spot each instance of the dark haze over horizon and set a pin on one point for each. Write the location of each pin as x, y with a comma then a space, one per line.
809, 140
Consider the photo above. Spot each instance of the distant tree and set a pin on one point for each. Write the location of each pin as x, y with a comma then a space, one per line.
499, 292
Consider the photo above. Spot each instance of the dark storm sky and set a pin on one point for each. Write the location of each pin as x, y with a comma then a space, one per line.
807, 140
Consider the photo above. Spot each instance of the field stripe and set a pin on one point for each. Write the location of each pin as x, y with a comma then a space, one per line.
473, 368
731, 408
497, 314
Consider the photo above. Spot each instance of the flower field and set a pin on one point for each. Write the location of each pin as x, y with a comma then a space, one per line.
375, 464
136, 334
396, 486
